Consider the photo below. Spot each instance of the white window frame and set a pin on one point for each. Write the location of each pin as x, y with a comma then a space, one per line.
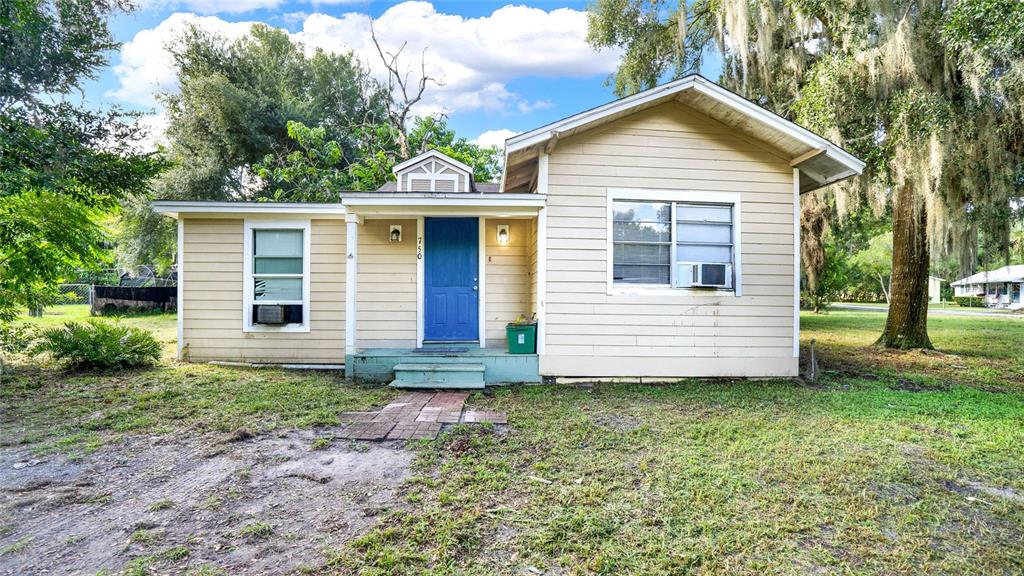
675, 196
248, 283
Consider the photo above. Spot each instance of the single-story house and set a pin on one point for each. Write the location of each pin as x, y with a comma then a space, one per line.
655, 236
999, 288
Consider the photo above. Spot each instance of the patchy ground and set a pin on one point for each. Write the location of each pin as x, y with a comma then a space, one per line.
254, 505
892, 463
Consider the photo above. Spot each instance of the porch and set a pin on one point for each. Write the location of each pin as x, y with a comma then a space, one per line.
431, 282
498, 366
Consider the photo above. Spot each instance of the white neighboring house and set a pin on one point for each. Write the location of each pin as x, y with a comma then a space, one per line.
1000, 288
935, 289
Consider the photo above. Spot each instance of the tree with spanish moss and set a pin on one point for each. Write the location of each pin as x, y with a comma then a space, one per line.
929, 92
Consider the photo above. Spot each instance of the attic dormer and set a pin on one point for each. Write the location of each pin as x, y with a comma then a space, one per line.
433, 171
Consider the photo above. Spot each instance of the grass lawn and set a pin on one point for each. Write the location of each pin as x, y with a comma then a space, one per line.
973, 351
50, 409
936, 306
894, 463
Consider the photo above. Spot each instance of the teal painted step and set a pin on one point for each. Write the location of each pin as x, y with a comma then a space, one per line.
378, 364
423, 375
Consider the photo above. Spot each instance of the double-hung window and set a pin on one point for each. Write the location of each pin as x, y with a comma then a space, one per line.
664, 242
277, 276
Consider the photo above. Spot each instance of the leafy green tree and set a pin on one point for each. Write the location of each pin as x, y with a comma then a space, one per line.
929, 93
832, 281
232, 111
315, 172
63, 168
236, 99
429, 133
876, 260
260, 119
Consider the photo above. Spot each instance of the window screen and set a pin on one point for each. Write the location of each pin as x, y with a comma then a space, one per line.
704, 233
277, 266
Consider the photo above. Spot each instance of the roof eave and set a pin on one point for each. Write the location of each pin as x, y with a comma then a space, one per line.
847, 165
175, 208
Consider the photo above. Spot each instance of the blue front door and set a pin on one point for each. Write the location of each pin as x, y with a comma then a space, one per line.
450, 274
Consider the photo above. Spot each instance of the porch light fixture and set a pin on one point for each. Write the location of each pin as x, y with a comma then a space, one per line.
503, 234
396, 233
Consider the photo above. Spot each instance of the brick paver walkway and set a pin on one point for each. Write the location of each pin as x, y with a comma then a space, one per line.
416, 415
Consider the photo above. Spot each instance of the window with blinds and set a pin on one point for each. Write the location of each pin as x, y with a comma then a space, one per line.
654, 242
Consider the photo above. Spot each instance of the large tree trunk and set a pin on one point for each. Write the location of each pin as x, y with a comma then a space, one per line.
907, 323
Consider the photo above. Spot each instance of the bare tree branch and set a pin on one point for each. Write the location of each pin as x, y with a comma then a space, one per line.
401, 102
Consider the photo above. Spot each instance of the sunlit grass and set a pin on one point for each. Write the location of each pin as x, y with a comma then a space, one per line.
974, 351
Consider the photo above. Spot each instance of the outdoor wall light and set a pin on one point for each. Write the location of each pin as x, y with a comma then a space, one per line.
503, 234
396, 232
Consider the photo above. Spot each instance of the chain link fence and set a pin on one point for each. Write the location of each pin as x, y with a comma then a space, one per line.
74, 294
82, 289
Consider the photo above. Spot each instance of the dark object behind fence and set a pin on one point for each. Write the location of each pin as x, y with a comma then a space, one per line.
110, 299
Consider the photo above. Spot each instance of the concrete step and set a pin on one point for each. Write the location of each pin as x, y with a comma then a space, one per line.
438, 375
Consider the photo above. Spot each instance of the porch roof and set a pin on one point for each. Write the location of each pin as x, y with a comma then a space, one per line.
427, 203
390, 203
217, 209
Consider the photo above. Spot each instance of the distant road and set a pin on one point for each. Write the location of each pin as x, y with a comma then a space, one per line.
937, 311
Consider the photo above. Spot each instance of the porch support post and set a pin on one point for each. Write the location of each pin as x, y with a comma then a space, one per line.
796, 266
419, 282
352, 222
180, 282
542, 275
482, 292
542, 250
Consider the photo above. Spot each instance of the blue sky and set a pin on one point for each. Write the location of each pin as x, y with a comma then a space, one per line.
506, 67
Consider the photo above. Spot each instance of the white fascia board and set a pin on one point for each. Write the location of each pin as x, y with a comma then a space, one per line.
447, 200
174, 208
712, 90
431, 154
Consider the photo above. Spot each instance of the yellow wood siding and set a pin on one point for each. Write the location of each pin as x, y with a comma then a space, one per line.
212, 318
508, 277
590, 332
386, 289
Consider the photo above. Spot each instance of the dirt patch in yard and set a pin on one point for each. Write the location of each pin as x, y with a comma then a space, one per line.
244, 505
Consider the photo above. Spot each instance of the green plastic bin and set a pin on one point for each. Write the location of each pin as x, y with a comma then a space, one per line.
522, 338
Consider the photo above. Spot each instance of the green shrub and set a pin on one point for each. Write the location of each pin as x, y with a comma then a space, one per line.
16, 337
97, 344
969, 301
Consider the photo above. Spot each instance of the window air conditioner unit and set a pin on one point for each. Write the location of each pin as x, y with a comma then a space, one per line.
270, 314
703, 275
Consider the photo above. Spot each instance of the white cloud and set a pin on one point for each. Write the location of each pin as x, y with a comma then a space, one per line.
495, 138
155, 126
525, 107
146, 66
210, 6
474, 58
